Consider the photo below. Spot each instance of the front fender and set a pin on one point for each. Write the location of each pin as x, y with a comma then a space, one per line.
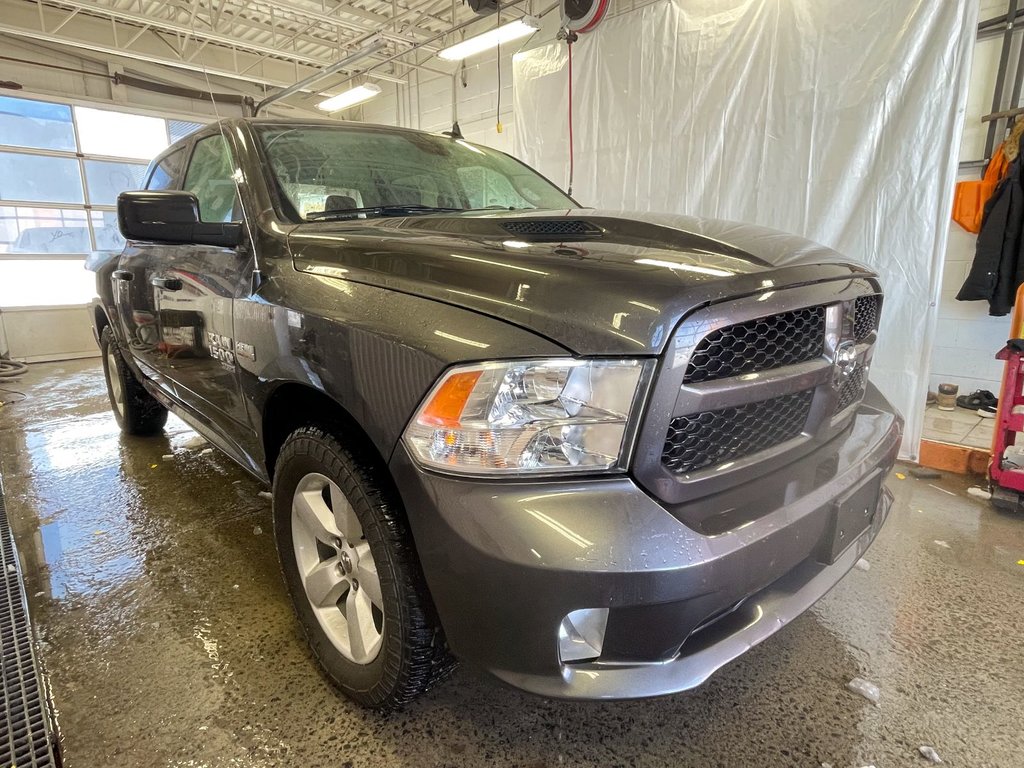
374, 351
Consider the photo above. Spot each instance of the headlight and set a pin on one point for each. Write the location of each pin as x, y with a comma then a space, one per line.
530, 417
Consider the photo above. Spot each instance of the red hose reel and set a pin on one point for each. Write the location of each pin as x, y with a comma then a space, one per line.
578, 17
582, 15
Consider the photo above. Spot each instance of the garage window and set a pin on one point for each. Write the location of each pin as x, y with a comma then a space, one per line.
36, 124
62, 167
106, 179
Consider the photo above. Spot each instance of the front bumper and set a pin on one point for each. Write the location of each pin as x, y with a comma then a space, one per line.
506, 561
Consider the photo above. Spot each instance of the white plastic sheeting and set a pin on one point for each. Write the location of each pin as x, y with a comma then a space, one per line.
833, 120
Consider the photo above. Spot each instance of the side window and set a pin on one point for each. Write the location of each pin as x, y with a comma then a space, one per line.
210, 178
166, 171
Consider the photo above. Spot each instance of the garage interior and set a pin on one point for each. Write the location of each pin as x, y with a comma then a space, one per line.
147, 622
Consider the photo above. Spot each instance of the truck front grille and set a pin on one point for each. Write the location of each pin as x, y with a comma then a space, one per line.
852, 389
865, 316
784, 399
700, 440
759, 345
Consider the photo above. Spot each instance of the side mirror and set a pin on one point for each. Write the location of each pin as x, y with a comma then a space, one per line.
171, 217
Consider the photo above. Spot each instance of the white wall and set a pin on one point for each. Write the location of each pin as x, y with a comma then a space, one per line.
49, 333
966, 337
426, 103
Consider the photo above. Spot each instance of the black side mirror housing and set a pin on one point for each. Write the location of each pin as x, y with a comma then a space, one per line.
167, 216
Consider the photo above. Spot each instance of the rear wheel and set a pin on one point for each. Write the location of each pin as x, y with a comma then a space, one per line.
137, 412
348, 561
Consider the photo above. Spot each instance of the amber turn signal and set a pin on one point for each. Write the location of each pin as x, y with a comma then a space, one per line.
445, 407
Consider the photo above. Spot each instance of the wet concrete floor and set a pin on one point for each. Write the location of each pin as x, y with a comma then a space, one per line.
168, 639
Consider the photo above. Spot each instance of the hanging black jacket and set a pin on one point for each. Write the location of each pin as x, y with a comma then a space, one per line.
998, 266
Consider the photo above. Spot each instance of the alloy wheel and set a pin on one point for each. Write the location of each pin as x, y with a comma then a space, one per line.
338, 572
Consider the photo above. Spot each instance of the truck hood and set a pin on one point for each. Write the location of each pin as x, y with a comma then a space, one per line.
595, 282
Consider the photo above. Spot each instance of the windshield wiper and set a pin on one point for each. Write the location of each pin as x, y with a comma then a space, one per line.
379, 210
499, 208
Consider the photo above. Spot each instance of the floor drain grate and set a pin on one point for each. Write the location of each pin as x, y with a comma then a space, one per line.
26, 739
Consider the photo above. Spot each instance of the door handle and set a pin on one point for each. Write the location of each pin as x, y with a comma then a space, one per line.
166, 283
123, 274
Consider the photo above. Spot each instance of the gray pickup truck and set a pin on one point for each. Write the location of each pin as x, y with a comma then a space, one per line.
597, 454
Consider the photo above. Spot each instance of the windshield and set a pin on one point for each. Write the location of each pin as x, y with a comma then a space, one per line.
337, 172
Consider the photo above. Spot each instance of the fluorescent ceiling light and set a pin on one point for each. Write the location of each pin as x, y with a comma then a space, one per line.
506, 33
350, 98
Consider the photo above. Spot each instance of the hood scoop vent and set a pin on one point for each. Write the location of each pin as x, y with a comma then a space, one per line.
552, 229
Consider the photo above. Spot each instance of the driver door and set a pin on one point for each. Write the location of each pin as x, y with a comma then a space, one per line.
195, 290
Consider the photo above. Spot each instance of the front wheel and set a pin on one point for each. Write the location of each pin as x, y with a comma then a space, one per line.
137, 412
348, 561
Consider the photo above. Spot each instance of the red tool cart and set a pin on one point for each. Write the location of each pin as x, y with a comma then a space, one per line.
1007, 473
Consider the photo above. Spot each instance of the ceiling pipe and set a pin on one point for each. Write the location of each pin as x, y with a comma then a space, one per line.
327, 71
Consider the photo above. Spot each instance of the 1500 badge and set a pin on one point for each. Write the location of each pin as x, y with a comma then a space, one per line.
224, 349
221, 348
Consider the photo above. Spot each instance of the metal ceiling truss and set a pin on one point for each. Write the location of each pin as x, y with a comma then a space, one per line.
266, 43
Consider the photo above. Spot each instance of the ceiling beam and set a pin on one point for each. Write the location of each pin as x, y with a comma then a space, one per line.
49, 52
187, 31
197, 35
378, 22
109, 37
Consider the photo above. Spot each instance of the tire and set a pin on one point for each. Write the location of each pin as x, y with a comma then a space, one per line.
137, 412
339, 525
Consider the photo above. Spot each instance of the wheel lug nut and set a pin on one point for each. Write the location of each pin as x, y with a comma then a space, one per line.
339, 543
355, 585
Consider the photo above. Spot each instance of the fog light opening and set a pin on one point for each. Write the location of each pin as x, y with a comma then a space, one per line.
581, 635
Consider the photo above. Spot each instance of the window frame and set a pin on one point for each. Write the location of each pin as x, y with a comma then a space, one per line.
86, 205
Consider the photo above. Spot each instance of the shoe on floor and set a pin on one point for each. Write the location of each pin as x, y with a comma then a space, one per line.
987, 411
981, 398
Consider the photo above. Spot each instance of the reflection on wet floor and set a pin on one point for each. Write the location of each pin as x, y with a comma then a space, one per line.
169, 641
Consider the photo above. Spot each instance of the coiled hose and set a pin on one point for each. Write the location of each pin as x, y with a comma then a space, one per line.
12, 369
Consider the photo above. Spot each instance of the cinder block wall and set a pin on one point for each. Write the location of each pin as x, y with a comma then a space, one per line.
966, 337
